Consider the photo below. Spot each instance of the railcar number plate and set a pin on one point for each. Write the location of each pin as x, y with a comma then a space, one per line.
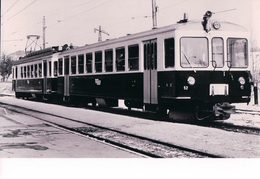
218, 89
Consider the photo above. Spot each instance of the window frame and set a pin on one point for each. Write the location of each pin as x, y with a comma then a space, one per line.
99, 64
136, 58
50, 69
36, 68
165, 53
81, 65
117, 60
229, 62
111, 69
90, 54
60, 67
40, 70
55, 68
223, 50
73, 65
194, 37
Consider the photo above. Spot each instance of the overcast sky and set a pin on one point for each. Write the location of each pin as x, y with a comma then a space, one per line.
73, 21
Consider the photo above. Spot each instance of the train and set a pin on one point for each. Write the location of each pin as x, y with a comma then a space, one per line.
191, 69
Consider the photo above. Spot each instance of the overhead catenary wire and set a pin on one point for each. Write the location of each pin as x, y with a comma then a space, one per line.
13, 40
9, 9
57, 11
69, 17
174, 4
74, 15
27, 6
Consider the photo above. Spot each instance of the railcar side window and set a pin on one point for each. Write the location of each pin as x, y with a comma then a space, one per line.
24, 71
55, 71
16, 72
32, 71
120, 59
66, 65
89, 60
217, 52
81, 64
49, 68
40, 70
98, 62
28, 71
21, 72
109, 60
13, 73
36, 70
60, 61
169, 52
194, 52
237, 52
73, 65
133, 57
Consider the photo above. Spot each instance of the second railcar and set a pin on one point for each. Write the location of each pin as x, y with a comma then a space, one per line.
35, 75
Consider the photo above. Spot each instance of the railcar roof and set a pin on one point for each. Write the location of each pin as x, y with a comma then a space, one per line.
188, 26
38, 55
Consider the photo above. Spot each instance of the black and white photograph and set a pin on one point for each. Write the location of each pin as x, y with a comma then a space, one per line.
128, 86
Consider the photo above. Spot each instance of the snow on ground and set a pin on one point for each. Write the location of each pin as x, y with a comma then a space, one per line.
6, 88
237, 119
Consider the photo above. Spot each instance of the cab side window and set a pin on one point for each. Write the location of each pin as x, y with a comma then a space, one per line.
169, 52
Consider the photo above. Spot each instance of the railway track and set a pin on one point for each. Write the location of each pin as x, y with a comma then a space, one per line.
223, 125
144, 146
234, 128
244, 111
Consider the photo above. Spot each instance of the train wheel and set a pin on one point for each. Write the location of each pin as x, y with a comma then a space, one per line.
162, 111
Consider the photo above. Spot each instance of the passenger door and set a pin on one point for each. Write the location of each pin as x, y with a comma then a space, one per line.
150, 72
44, 77
66, 76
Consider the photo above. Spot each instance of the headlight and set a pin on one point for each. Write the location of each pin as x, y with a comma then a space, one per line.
242, 80
191, 80
216, 25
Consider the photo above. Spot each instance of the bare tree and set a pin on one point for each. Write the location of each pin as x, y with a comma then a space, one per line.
6, 64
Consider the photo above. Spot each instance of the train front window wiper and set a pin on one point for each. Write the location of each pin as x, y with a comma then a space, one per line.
214, 64
194, 52
187, 59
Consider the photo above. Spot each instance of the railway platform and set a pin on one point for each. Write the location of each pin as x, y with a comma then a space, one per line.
25, 137
205, 139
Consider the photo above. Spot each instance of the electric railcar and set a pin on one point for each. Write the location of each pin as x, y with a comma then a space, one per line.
196, 68
35, 75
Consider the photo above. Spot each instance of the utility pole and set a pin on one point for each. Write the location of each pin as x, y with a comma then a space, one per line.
100, 31
154, 13
43, 32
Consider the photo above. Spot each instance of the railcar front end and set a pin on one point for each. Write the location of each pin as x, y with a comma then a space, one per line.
211, 73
